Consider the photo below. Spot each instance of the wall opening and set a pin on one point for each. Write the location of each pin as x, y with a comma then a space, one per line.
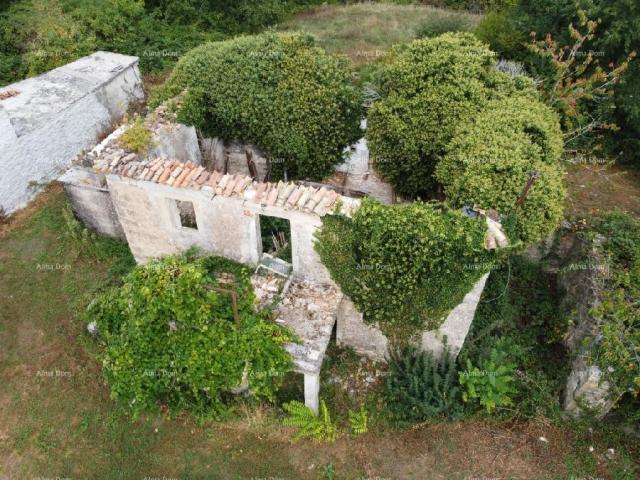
187, 214
275, 233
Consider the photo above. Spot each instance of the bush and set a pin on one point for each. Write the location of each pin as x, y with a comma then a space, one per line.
489, 161
432, 27
490, 383
171, 342
278, 91
617, 352
497, 30
420, 388
137, 137
404, 266
427, 89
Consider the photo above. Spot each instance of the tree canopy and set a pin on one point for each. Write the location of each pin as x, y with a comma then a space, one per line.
278, 91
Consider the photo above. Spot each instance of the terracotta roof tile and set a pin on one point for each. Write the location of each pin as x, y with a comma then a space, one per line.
166, 173
287, 195
293, 198
260, 188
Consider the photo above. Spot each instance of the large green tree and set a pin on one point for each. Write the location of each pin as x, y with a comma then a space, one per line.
171, 339
278, 91
490, 159
427, 88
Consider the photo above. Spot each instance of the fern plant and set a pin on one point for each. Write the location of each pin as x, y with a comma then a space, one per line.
358, 421
319, 427
420, 387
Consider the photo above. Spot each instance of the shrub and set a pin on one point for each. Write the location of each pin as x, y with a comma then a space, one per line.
489, 161
498, 31
170, 341
137, 137
518, 316
490, 383
319, 427
278, 91
618, 350
427, 89
432, 27
419, 388
404, 266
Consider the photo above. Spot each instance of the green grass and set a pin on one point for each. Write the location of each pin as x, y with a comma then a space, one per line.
66, 425
365, 31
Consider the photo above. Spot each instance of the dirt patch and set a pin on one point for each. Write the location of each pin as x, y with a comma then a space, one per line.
595, 188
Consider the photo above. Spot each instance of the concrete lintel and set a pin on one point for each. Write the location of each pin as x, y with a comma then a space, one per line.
312, 391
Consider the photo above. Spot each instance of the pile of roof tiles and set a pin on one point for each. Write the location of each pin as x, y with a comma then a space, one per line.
290, 196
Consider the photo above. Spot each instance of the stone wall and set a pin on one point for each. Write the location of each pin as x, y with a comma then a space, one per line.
226, 226
581, 277
368, 340
56, 115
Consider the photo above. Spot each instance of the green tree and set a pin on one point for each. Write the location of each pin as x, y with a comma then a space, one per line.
278, 91
489, 161
171, 338
427, 88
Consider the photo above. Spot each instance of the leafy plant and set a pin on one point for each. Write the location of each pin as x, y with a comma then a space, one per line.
419, 387
580, 80
171, 340
137, 137
319, 427
358, 421
278, 91
490, 383
329, 472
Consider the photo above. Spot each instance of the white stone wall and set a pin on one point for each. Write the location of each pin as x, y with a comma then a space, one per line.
368, 340
58, 114
226, 226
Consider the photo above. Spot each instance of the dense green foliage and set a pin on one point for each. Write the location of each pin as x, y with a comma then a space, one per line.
404, 266
419, 387
278, 91
616, 37
318, 427
519, 318
490, 383
38, 35
489, 160
169, 341
618, 350
428, 87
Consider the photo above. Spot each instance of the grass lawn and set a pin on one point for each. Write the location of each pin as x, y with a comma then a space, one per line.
364, 31
57, 420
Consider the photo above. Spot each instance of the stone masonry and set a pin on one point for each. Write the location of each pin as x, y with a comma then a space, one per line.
50, 118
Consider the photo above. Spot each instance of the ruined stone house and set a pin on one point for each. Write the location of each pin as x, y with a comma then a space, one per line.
187, 191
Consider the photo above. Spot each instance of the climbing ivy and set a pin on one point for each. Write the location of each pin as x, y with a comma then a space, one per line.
404, 266
618, 350
278, 91
490, 159
171, 342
